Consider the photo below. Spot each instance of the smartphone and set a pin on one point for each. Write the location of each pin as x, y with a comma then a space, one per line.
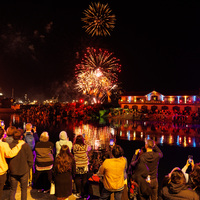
2, 123
148, 179
190, 158
111, 142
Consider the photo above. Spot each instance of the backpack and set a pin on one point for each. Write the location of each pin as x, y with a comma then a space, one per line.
29, 138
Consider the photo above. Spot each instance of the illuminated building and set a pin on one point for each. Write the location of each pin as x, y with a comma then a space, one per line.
157, 101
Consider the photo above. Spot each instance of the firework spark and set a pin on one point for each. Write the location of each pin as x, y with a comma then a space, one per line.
98, 19
97, 74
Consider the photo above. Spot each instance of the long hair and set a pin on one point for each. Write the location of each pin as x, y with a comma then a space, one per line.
79, 140
64, 160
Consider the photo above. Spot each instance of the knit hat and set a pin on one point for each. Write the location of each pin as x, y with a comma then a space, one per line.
63, 135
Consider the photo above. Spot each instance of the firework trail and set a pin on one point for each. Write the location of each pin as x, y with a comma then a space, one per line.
98, 19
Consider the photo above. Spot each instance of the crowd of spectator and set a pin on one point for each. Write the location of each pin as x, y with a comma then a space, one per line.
72, 166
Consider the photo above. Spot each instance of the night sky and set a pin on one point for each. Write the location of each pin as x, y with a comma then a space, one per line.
157, 42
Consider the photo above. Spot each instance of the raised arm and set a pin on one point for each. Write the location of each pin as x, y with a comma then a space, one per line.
156, 149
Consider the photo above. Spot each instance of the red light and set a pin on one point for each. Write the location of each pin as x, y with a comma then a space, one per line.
190, 101
180, 101
81, 100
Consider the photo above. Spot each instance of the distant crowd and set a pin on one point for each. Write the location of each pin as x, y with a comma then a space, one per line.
47, 114
71, 167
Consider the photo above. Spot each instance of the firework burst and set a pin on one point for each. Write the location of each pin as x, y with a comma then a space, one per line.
97, 74
98, 19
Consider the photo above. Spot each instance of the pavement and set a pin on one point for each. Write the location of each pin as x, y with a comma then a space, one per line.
32, 194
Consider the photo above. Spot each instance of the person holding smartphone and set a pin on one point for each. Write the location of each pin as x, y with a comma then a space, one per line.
189, 163
193, 177
151, 158
35, 135
177, 188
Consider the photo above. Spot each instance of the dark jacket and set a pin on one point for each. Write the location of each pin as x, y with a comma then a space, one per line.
23, 161
36, 137
137, 167
139, 172
152, 161
195, 187
177, 192
44, 153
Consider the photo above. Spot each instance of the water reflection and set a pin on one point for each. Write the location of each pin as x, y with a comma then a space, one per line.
164, 133
99, 135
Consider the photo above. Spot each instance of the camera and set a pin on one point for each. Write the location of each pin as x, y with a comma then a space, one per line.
190, 158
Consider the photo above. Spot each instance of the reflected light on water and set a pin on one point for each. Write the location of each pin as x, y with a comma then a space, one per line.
128, 135
185, 141
170, 139
141, 135
94, 136
194, 143
120, 133
185, 135
134, 135
177, 141
162, 139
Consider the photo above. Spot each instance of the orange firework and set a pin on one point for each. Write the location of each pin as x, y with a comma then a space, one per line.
97, 74
98, 19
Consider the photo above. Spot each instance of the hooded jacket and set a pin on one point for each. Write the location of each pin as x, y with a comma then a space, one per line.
63, 141
151, 159
139, 172
22, 162
177, 192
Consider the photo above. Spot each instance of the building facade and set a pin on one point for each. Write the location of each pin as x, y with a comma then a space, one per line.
157, 101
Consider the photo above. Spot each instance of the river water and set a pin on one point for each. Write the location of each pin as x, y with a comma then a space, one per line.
176, 141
